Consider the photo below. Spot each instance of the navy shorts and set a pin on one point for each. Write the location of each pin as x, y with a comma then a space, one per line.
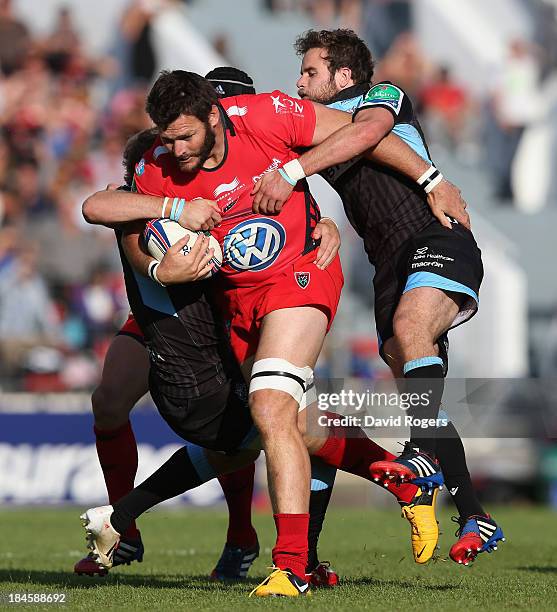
447, 259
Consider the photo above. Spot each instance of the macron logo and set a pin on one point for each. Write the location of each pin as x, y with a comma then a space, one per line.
226, 187
237, 111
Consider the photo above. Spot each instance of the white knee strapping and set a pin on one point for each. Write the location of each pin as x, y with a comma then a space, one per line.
279, 374
310, 396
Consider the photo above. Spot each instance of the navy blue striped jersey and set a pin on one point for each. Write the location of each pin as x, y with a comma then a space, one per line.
384, 207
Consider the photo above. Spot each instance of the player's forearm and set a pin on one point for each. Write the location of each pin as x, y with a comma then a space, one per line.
394, 153
113, 207
343, 145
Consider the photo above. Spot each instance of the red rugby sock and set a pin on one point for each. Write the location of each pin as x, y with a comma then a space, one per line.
291, 549
238, 491
117, 451
356, 454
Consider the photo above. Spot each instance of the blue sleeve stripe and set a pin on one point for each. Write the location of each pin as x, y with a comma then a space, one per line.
429, 279
421, 363
412, 138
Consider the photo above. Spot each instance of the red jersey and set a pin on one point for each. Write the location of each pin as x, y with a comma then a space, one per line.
261, 132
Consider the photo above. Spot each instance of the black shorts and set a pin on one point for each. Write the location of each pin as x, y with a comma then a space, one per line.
219, 421
447, 259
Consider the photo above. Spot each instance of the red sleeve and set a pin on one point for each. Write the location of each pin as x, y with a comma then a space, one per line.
148, 177
277, 116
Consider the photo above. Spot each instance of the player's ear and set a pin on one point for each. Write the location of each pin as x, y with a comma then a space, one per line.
343, 77
214, 116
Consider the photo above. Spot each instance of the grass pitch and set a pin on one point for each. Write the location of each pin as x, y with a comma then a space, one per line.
369, 548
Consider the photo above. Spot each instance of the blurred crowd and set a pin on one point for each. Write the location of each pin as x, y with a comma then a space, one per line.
479, 130
64, 118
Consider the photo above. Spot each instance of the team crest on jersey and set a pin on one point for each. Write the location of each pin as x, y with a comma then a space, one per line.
140, 168
253, 245
302, 278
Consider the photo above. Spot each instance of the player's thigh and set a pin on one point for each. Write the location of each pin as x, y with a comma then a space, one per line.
425, 312
293, 334
125, 375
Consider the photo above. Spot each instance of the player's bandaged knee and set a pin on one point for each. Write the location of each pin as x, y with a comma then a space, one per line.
281, 375
310, 395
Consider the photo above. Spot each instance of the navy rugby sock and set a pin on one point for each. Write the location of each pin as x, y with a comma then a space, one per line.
322, 481
185, 470
452, 460
425, 382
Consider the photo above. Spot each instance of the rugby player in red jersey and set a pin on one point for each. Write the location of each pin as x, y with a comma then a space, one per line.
124, 382
279, 303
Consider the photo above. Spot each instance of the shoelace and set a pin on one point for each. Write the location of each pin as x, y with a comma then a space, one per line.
407, 513
461, 524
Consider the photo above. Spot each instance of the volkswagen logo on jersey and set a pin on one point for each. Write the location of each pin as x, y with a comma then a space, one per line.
254, 245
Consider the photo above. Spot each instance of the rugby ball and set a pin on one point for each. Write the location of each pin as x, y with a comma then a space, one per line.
160, 234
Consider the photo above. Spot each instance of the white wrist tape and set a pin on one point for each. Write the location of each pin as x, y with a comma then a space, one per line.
430, 179
294, 169
164, 203
152, 272
433, 183
431, 170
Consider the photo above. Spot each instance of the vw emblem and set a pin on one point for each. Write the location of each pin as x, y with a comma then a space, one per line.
254, 245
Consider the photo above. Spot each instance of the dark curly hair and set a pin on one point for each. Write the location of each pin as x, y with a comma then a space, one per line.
345, 49
176, 93
134, 150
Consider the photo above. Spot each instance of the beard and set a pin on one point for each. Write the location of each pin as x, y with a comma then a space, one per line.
204, 152
322, 94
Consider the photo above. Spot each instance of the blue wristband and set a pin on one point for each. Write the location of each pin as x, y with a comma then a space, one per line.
286, 177
177, 208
